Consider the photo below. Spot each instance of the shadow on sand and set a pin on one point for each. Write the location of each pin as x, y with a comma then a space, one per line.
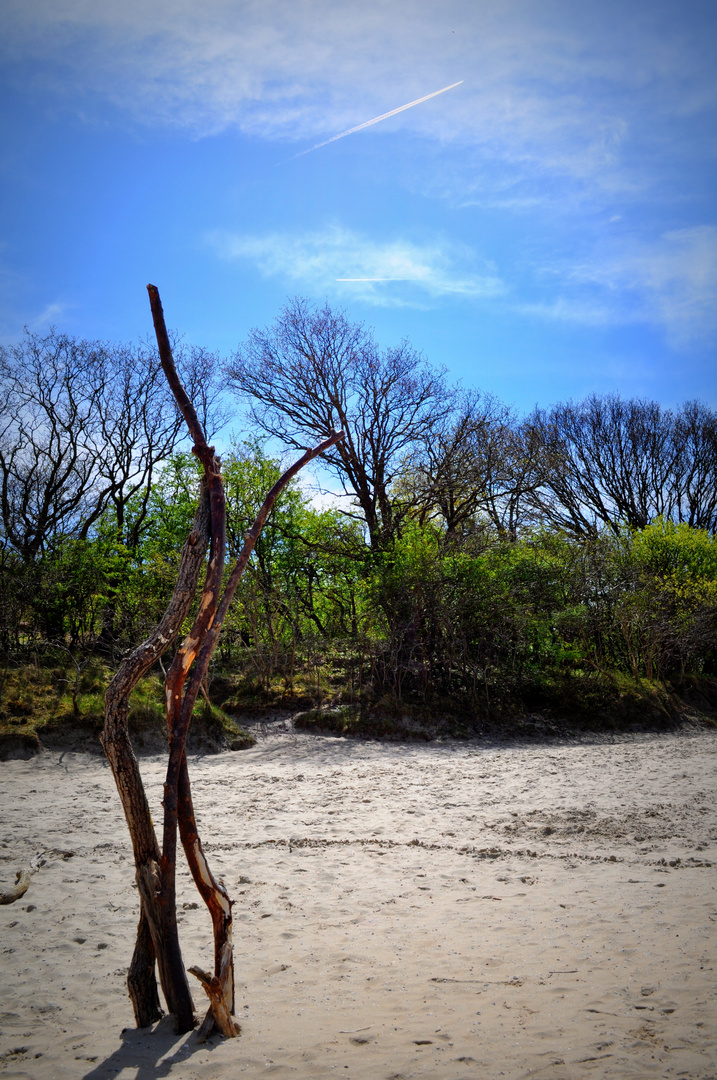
152, 1052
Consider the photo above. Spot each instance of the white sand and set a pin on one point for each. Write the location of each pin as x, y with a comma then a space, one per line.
452, 911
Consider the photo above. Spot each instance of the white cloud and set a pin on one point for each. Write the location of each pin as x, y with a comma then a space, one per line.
557, 88
669, 282
569, 309
48, 316
678, 277
386, 273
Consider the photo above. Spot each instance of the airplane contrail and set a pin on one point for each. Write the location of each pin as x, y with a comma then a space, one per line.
376, 119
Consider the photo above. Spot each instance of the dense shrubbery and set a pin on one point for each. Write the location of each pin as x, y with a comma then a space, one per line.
481, 626
481, 564
426, 624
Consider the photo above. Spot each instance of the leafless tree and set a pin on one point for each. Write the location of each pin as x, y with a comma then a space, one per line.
313, 370
48, 466
696, 480
476, 468
84, 427
610, 462
139, 425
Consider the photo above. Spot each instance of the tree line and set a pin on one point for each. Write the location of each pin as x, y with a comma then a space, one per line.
472, 552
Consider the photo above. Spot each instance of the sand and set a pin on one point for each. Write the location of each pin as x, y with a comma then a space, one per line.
462, 910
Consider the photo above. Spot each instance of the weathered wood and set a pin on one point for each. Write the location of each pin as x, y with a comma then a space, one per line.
118, 750
141, 981
213, 892
214, 987
191, 662
22, 884
24, 875
180, 699
157, 933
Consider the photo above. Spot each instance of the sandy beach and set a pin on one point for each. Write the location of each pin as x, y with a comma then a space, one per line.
463, 910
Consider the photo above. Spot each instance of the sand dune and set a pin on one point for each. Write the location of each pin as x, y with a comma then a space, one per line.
453, 911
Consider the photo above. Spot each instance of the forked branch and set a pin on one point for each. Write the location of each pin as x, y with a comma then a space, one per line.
156, 869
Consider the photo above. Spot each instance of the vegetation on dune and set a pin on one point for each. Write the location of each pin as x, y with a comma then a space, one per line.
480, 567
55, 700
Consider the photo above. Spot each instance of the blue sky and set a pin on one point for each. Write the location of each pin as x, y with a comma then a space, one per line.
548, 227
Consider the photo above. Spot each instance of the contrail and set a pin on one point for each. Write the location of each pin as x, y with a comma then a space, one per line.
376, 119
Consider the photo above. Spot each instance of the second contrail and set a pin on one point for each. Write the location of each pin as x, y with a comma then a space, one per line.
376, 119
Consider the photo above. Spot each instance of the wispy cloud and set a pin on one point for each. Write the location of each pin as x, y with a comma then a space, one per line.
669, 282
384, 273
557, 88
48, 316
678, 274
572, 309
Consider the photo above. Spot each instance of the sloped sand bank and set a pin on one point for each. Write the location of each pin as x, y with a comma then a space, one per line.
452, 911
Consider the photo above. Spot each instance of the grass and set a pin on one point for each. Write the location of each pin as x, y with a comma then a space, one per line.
63, 703
60, 704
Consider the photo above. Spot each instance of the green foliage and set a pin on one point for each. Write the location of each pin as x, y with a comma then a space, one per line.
482, 628
302, 579
58, 695
479, 626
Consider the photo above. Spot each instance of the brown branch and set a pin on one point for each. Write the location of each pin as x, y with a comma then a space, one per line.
22, 884
180, 701
220, 1014
212, 891
168, 367
156, 871
118, 749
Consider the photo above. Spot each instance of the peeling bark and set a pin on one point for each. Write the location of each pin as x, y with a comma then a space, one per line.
118, 749
221, 1015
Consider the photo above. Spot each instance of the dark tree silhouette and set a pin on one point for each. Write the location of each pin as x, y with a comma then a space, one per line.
614, 462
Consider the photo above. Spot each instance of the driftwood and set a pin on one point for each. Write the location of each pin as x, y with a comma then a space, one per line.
157, 933
23, 876
215, 987
22, 884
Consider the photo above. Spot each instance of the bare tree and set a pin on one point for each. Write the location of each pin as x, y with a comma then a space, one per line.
48, 465
476, 468
139, 425
313, 371
696, 480
157, 935
84, 427
610, 462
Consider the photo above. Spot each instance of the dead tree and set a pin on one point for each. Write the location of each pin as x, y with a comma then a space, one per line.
157, 934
